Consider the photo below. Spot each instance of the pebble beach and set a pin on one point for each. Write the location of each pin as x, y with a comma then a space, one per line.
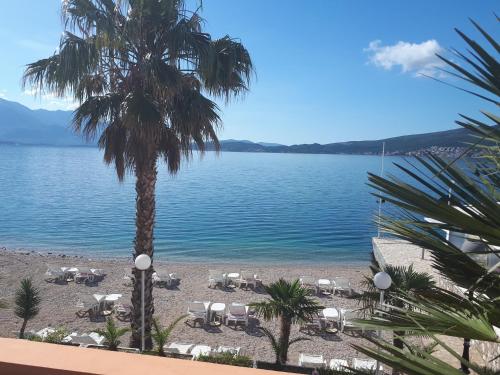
59, 301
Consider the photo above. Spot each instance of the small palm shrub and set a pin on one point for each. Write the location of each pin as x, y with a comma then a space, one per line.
227, 359
290, 303
27, 303
112, 334
160, 335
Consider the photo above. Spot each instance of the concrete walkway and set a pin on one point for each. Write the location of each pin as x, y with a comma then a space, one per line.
398, 252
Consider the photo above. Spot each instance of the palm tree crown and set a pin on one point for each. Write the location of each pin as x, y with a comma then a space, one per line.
139, 70
289, 300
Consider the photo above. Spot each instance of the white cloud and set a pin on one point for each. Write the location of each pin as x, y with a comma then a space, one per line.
415, 58
3, 94
51, 101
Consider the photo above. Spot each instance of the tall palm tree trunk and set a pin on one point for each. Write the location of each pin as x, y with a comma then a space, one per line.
143, 244
285, 327
23, 328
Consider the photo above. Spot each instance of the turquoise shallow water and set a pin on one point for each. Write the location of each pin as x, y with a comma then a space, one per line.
271, 208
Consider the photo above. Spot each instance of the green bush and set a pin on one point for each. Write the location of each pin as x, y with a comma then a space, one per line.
227, 359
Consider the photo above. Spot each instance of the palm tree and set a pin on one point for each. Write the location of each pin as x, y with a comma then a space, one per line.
112, 334
473, 210
141, 73
161, 335
405, 281
290, 303
27, 303
277, 345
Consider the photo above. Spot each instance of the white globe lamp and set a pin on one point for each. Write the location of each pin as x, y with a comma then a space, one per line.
142, 263
382, 280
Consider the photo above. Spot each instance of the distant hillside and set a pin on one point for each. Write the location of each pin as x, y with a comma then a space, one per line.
21, 125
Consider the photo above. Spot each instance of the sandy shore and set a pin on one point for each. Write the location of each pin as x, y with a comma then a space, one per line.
59, 301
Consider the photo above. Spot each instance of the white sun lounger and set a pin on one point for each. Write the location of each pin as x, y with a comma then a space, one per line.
198, 350
338, 364
342, 285
248, 278
311, 360
179, 348
228, 349
216, 278
237, 313
307, 282
346, 320
365, 364
325, 286
198, 310
55, 275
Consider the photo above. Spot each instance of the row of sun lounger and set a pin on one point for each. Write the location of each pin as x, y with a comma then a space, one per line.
77, 274
236, 313
317, 361
195, 351
247, 279
339, 285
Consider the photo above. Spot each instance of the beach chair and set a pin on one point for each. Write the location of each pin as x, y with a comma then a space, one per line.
338, 364
198, 311
128, 278
342, 285
308, 282
228, 349
122, 312
216, 278
237, 313
166, 280
313, 325
346, 320
311, 360
325, 287
178, 348
55, 275
199, 350
98, 273
247, 279
366, 365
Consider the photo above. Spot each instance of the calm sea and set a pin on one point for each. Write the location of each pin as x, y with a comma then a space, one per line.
233, 207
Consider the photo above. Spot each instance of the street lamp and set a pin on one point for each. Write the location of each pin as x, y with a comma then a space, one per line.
382, 281
142, 263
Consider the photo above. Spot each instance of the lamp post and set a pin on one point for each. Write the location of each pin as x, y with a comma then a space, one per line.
142, 263
382, 282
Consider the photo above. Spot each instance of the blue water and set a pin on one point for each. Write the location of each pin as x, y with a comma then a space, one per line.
233, 207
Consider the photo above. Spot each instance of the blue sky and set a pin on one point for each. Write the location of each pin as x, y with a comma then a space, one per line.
327, 70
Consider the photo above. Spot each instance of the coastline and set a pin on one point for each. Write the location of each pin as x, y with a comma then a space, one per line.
160, 258
59, 301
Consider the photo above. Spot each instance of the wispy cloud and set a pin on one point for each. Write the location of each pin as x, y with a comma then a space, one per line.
52, 102
413, 58
3, 93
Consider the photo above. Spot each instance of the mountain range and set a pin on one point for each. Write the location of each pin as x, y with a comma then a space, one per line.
21, 125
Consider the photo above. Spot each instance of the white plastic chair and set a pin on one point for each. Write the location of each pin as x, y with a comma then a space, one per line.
311, 360
346, 319
237, 313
